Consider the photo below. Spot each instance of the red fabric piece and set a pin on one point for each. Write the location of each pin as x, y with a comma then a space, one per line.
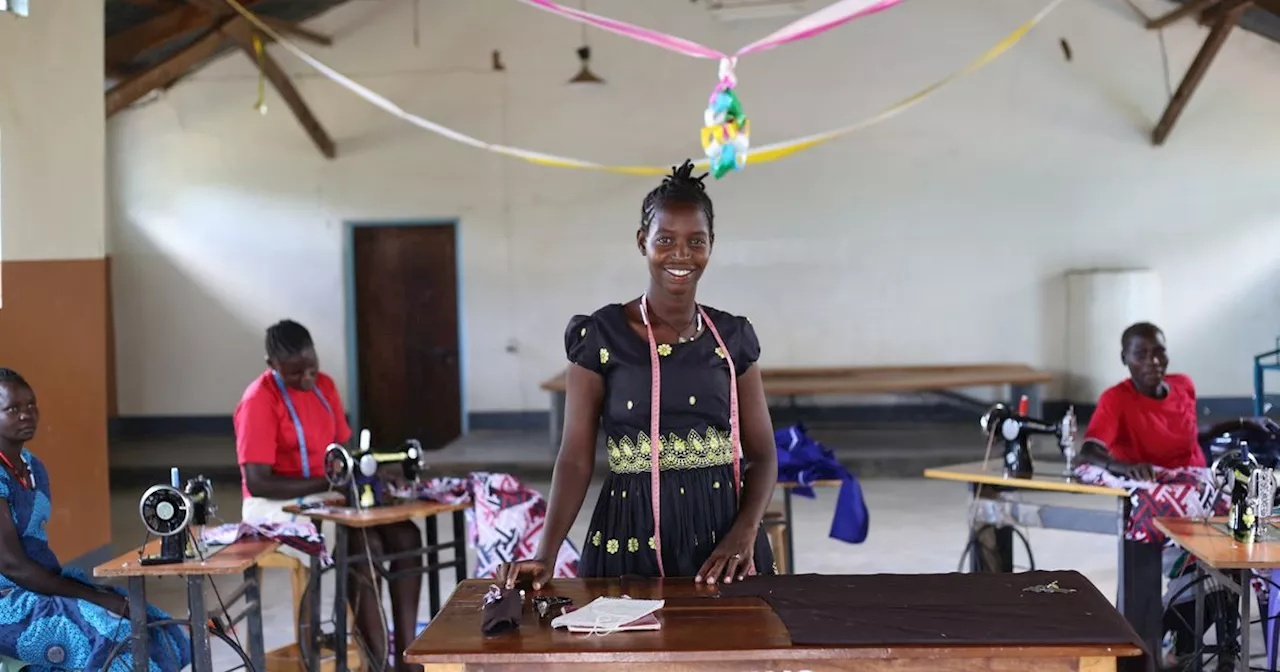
1136, 428
265, 433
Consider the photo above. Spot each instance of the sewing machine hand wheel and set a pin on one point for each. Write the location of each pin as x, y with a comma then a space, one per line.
996, 413
1222, 467
165, 510
338, 465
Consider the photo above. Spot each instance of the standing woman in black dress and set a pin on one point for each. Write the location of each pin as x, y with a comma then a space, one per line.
700, 362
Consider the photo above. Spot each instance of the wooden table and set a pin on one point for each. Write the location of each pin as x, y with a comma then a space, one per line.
1139, 564
791, 383
1227, 560
346, 519
240, 557
703, 634
788, 549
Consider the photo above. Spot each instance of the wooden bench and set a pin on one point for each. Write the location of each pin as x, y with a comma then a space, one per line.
791, 383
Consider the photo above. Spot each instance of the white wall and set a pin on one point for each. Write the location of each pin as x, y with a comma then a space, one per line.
940, 236
52, 147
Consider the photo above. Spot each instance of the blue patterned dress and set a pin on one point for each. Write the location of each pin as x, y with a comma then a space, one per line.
64, 633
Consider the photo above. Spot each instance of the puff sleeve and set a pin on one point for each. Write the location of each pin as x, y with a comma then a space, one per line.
583, 344
747, 352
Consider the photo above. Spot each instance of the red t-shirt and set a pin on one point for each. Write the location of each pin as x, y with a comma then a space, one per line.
265, 433
1137, 428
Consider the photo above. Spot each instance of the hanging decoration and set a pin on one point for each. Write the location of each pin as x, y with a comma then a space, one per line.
726, 131
261, 104
763, 154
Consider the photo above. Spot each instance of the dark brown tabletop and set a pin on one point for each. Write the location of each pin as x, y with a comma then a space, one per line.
705, 632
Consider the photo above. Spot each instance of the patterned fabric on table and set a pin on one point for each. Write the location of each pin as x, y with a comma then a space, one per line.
299, 534
49, 632
504, 523
1187, 492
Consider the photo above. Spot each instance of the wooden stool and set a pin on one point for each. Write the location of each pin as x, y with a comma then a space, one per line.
776, 526
289, 658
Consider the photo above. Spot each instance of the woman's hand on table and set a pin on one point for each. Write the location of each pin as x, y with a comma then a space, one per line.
731, 559
510, 573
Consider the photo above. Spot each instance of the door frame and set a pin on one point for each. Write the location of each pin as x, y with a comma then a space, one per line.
349, 312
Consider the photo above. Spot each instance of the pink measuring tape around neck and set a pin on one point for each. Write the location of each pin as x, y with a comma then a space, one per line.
655, 436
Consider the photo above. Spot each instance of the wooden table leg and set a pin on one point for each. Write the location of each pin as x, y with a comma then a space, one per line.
341, 566
433, 566
201, 656
557, 419
1139, 598
460, 545
788, 531
313, 614
253, 597
138, 621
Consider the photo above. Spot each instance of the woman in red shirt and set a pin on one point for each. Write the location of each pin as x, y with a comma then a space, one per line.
1150, 419
1147, 421
286, 419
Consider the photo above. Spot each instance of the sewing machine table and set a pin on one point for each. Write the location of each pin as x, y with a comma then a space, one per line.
240, 557
345, 519
1139, 563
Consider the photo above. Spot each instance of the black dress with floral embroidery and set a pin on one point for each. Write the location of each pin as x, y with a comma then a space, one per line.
698, 504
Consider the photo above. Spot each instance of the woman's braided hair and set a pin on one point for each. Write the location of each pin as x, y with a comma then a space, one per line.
679, 187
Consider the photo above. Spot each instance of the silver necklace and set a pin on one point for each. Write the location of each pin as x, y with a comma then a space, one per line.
697, 316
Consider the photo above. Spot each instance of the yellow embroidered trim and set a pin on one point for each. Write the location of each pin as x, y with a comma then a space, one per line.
627, 456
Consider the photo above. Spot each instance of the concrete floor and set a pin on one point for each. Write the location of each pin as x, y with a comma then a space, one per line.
917, 526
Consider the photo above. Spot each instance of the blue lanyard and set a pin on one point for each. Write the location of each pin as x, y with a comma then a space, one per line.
297, 422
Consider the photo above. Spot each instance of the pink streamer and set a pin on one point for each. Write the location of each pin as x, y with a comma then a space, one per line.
676, 44
832, 16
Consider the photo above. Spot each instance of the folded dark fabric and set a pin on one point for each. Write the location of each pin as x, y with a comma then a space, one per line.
501, 612
1029, 608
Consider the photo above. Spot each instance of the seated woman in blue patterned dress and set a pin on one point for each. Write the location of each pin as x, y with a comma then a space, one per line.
53, 618
700, 363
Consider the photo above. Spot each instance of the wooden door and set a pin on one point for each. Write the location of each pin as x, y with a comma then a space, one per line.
406, 312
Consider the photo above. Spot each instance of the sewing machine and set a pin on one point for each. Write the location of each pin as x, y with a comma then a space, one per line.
169, 511
1017, 428
357, 475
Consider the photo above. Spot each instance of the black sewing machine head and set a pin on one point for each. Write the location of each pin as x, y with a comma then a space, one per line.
200, 491
167, 512
1016, 428
357, 475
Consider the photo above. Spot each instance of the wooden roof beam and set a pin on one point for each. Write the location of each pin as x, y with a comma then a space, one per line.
240, 32
152, 33
280, 81
1222, 26
1184, 10
157, 31
129, 91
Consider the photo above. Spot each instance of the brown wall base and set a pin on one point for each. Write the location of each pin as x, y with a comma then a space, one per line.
53, 330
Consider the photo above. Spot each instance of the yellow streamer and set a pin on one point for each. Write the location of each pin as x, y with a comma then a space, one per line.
756, 155
259, 50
